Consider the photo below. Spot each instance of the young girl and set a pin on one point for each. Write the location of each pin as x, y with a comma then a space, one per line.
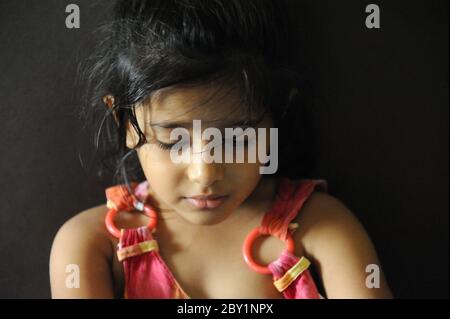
200, 229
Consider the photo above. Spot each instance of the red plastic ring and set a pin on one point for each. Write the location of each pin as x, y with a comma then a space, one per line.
148, 211
247, 250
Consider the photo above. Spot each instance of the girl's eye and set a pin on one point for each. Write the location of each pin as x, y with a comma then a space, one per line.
165, 146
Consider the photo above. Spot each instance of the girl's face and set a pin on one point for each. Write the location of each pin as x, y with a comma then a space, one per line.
171, 183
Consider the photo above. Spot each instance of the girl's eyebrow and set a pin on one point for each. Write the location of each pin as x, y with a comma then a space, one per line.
169, 125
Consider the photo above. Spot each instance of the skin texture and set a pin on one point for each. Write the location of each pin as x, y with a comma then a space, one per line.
237, 180
203, 248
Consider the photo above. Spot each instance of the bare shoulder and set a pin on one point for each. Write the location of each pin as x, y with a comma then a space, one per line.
91, 217
322, 216
88, 226
340, 249
83, 245
85, 242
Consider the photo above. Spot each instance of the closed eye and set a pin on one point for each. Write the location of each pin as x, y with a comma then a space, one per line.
165, 146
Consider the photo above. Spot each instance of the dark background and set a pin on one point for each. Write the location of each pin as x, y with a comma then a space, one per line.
380, 121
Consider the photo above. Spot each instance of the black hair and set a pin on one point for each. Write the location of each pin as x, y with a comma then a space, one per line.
154, 44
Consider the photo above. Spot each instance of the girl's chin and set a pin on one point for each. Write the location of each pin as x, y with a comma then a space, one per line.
205, 216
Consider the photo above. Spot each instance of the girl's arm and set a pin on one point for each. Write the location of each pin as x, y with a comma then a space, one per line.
80, 260
341, 250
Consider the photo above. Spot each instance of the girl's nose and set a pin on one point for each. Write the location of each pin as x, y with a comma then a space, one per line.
205, 174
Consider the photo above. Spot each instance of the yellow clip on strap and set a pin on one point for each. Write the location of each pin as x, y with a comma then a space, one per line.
137, 249
290, 275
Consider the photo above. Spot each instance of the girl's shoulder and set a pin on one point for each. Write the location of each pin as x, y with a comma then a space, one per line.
321, 215
81, 253
84, 242
335, 241
91, 224
87, 225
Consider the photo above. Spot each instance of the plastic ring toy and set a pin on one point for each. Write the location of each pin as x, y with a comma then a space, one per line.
247, 250
148, 211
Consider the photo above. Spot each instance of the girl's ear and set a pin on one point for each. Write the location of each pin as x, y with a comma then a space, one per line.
109, 102
131, 138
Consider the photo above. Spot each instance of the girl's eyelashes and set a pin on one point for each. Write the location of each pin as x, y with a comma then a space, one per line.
168, 146
165, 146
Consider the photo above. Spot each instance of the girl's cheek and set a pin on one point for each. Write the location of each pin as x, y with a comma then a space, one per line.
154, 160
150, 153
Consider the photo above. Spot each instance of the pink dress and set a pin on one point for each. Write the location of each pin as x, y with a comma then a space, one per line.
148, 276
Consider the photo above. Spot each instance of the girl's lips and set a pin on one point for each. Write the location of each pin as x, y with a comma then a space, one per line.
207, 203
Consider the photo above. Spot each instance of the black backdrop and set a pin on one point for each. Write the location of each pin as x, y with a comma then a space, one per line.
380, 121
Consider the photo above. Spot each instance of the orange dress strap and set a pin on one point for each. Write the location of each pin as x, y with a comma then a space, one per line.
288, 201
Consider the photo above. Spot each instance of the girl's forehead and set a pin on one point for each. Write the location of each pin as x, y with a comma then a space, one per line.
180, 105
